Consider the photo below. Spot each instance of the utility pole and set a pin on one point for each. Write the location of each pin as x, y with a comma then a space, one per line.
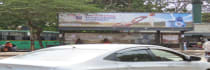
197, 11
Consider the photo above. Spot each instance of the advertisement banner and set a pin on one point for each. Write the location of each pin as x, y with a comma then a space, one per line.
94, 38
170, 39
161, 20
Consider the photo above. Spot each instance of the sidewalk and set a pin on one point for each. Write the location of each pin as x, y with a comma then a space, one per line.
10, 54
194, 52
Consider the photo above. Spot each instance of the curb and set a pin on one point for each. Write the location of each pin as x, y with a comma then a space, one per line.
11, 53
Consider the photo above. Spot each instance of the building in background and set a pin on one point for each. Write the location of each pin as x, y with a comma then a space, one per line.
201, 33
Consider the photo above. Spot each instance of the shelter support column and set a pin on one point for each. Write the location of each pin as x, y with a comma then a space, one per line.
158, 37
61, 38
181, 40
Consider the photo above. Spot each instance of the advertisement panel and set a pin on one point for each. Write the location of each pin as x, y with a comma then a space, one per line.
153, 20
94, 38
170, 39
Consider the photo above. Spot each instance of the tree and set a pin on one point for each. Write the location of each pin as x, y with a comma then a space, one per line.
130, 5
10, 22
37, 13
206, 17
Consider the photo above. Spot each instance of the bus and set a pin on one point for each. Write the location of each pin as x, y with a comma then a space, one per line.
21, 38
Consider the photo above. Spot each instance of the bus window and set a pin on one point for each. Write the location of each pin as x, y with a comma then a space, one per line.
1, 36
26, 38
10, 37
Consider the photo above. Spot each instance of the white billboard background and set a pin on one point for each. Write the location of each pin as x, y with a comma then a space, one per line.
124, 19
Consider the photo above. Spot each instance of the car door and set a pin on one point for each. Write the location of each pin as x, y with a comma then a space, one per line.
174, 60
138, 59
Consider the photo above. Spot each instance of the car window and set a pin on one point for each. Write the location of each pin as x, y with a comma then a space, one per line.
162, 55
134, 56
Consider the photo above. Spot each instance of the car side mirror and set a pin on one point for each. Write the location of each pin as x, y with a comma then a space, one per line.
194, 58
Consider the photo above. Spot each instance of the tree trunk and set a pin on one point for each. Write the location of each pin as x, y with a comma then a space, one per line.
32, 39
35, 31
38, 33
31, 35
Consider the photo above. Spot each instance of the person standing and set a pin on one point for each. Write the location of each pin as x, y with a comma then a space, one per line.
79, 41
206, 47
8, 46
106, 41
185, 45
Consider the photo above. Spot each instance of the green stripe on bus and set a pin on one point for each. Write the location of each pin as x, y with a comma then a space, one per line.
25, 45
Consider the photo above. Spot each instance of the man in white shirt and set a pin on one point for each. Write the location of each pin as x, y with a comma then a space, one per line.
206, 47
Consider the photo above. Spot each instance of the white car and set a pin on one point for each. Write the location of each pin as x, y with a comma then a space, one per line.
104, 57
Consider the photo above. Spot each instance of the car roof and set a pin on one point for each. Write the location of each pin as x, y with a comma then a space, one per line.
105, 46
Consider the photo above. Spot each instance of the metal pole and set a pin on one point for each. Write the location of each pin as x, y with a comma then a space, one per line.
197, 11
158, 37
181, 41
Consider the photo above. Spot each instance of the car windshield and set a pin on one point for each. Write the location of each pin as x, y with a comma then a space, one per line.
62, 54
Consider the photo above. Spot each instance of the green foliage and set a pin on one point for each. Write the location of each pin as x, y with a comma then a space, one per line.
10, 22
206, 17
129, 5
42, 13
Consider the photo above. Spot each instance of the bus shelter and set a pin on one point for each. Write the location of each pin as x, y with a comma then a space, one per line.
136, 28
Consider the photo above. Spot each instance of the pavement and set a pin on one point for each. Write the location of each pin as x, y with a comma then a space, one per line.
10, 54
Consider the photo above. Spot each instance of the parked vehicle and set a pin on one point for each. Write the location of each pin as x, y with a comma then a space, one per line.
21, 38
104, 57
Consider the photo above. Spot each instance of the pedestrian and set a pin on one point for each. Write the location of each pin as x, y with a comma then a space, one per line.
14, 48
199, 44
79, 41
1, 47
185, 45
106, 41
206, 47
8, 46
